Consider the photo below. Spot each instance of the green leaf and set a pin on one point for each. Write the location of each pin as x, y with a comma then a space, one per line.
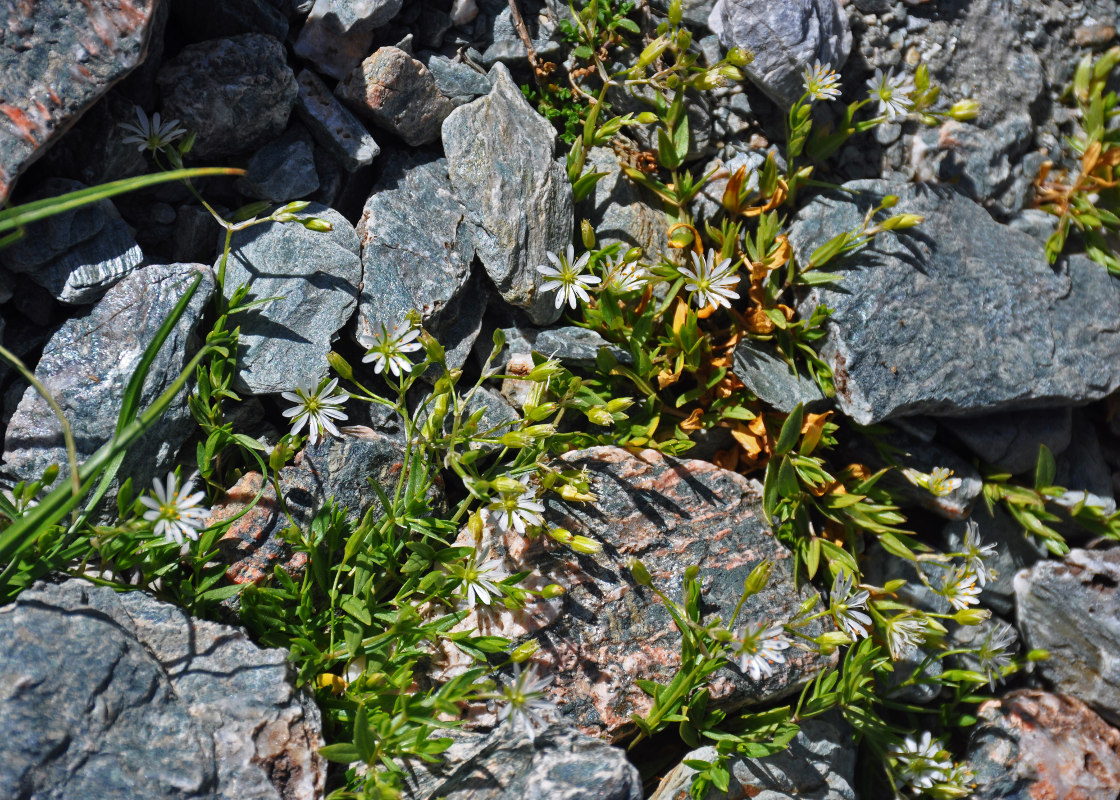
666, 150
586, 185
341, 753
791, 430
1046, 469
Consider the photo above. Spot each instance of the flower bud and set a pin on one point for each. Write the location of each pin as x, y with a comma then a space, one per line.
639, 572
653, 51
731, 73
963, 110
600, 416
318, 224
684, 38
516, 439
646, 118
340, 365
832, 639
675, 12
475, 526
739, 57
588, 234
633, 254
544, 370
574, 495
899, 221
971, 616
619, 404
890, 201
524, 651
586, 545
295, 207
758, 579
691, 572
508, 485
551, 591
1038, 654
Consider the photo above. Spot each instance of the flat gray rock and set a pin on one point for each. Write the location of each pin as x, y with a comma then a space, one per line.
501, 161
958, 316
785, 39
283, 170
330, 52
773, 381
87, 364
1010, 440
235, 93
158, 705
57, 57
570, 344
622, 211
335, 129
315, 275
78, 255
355, 16
1072, 608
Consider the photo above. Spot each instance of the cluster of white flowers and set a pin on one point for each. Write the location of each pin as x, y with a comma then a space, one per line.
760, 649
845, 604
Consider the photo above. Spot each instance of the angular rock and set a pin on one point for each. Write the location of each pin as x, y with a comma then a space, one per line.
560, 764
158, 705
335, 129
355, 16
283, 170
621, 211
78, 255
959, 315
506, 44
1011, 440
773, 381
500, 157
456, 80
57, 57
417, 251
235, 93
695, 13
572, 345
397, 93
87, 364
315, 275
819, 764
1072, 608
606, 631
785, 38
331, 53
1031, 744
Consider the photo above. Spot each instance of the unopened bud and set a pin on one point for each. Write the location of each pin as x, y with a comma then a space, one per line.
574, 495
832, 639
295, 207
1038, 654
653, 51
675, 12
731, 73
646, 118
633, 254
508, 485
964, 110
639, 572
340, 365
551, 591
890, 201
588, 234
758, 579
899, 221
318, 224
544, 370
586, 545
524, 651
739, 57
600, 416
516, 439
619, 404
971, 616
475, 526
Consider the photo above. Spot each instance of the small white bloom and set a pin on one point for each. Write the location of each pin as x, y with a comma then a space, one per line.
904, 632
626, 276
176, 513
387, 348
846, 604
997, 651
976, 553
317, 408
919, 762
517, 509
942, 482
566, 276
525, 703
960, 588
151, 134
712, 283
761, 649
892, 93
821, 82
480, 580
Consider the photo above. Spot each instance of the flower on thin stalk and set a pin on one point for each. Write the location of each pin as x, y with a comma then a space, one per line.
996, 652
567, 278
919, 763
904, 632
940, 481
525, 703
761, 649
176, 512
151, 134
821, 82
846, 604
480, 580
976, 553
516, 509
892, 93
387, 347
626, 276
317, 408
711, 282
961, 589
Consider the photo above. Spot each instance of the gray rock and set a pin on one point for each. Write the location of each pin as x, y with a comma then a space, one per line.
455, 79
1032, 744
958, 316
335, 129
235, 93
283, 170
159, 704
330, 52
572, 345
819, 764
621, 211
785, 39
315, 275
506, 45
78, 255
500, 157
355, 16
87, 364
773, 381
193, 239
696, 12
57, 57
1072, 608
397, 93
1015, 550
1010, 440
417, 250
560, 764
900, 448
919, 663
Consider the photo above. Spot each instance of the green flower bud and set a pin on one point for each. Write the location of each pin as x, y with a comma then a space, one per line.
1038, 654
675, 12
317, 224
524, 651
739, 57
640, 573
552, 590
600, 416
964, 110
588, 234
340, 365
646, 118
971, 616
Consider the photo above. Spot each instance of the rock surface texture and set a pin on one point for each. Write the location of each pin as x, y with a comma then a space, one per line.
156, 705
958, 315
56, 58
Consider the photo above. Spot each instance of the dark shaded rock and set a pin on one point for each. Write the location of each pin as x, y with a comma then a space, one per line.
606, 631
960, 315
315, 275
570, 344
560, 764
355, 16
621, 211
1084, 473
210, 19
331, 53
335, 129
235, 93
1010, 440
57, 57
1072, 608
695, 12
158, 705
87, 364
283, 170
500, 157
193, 237
397, 93
819, 764
78, 255
773, 381
1031, 744
1015, 550
785, 38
